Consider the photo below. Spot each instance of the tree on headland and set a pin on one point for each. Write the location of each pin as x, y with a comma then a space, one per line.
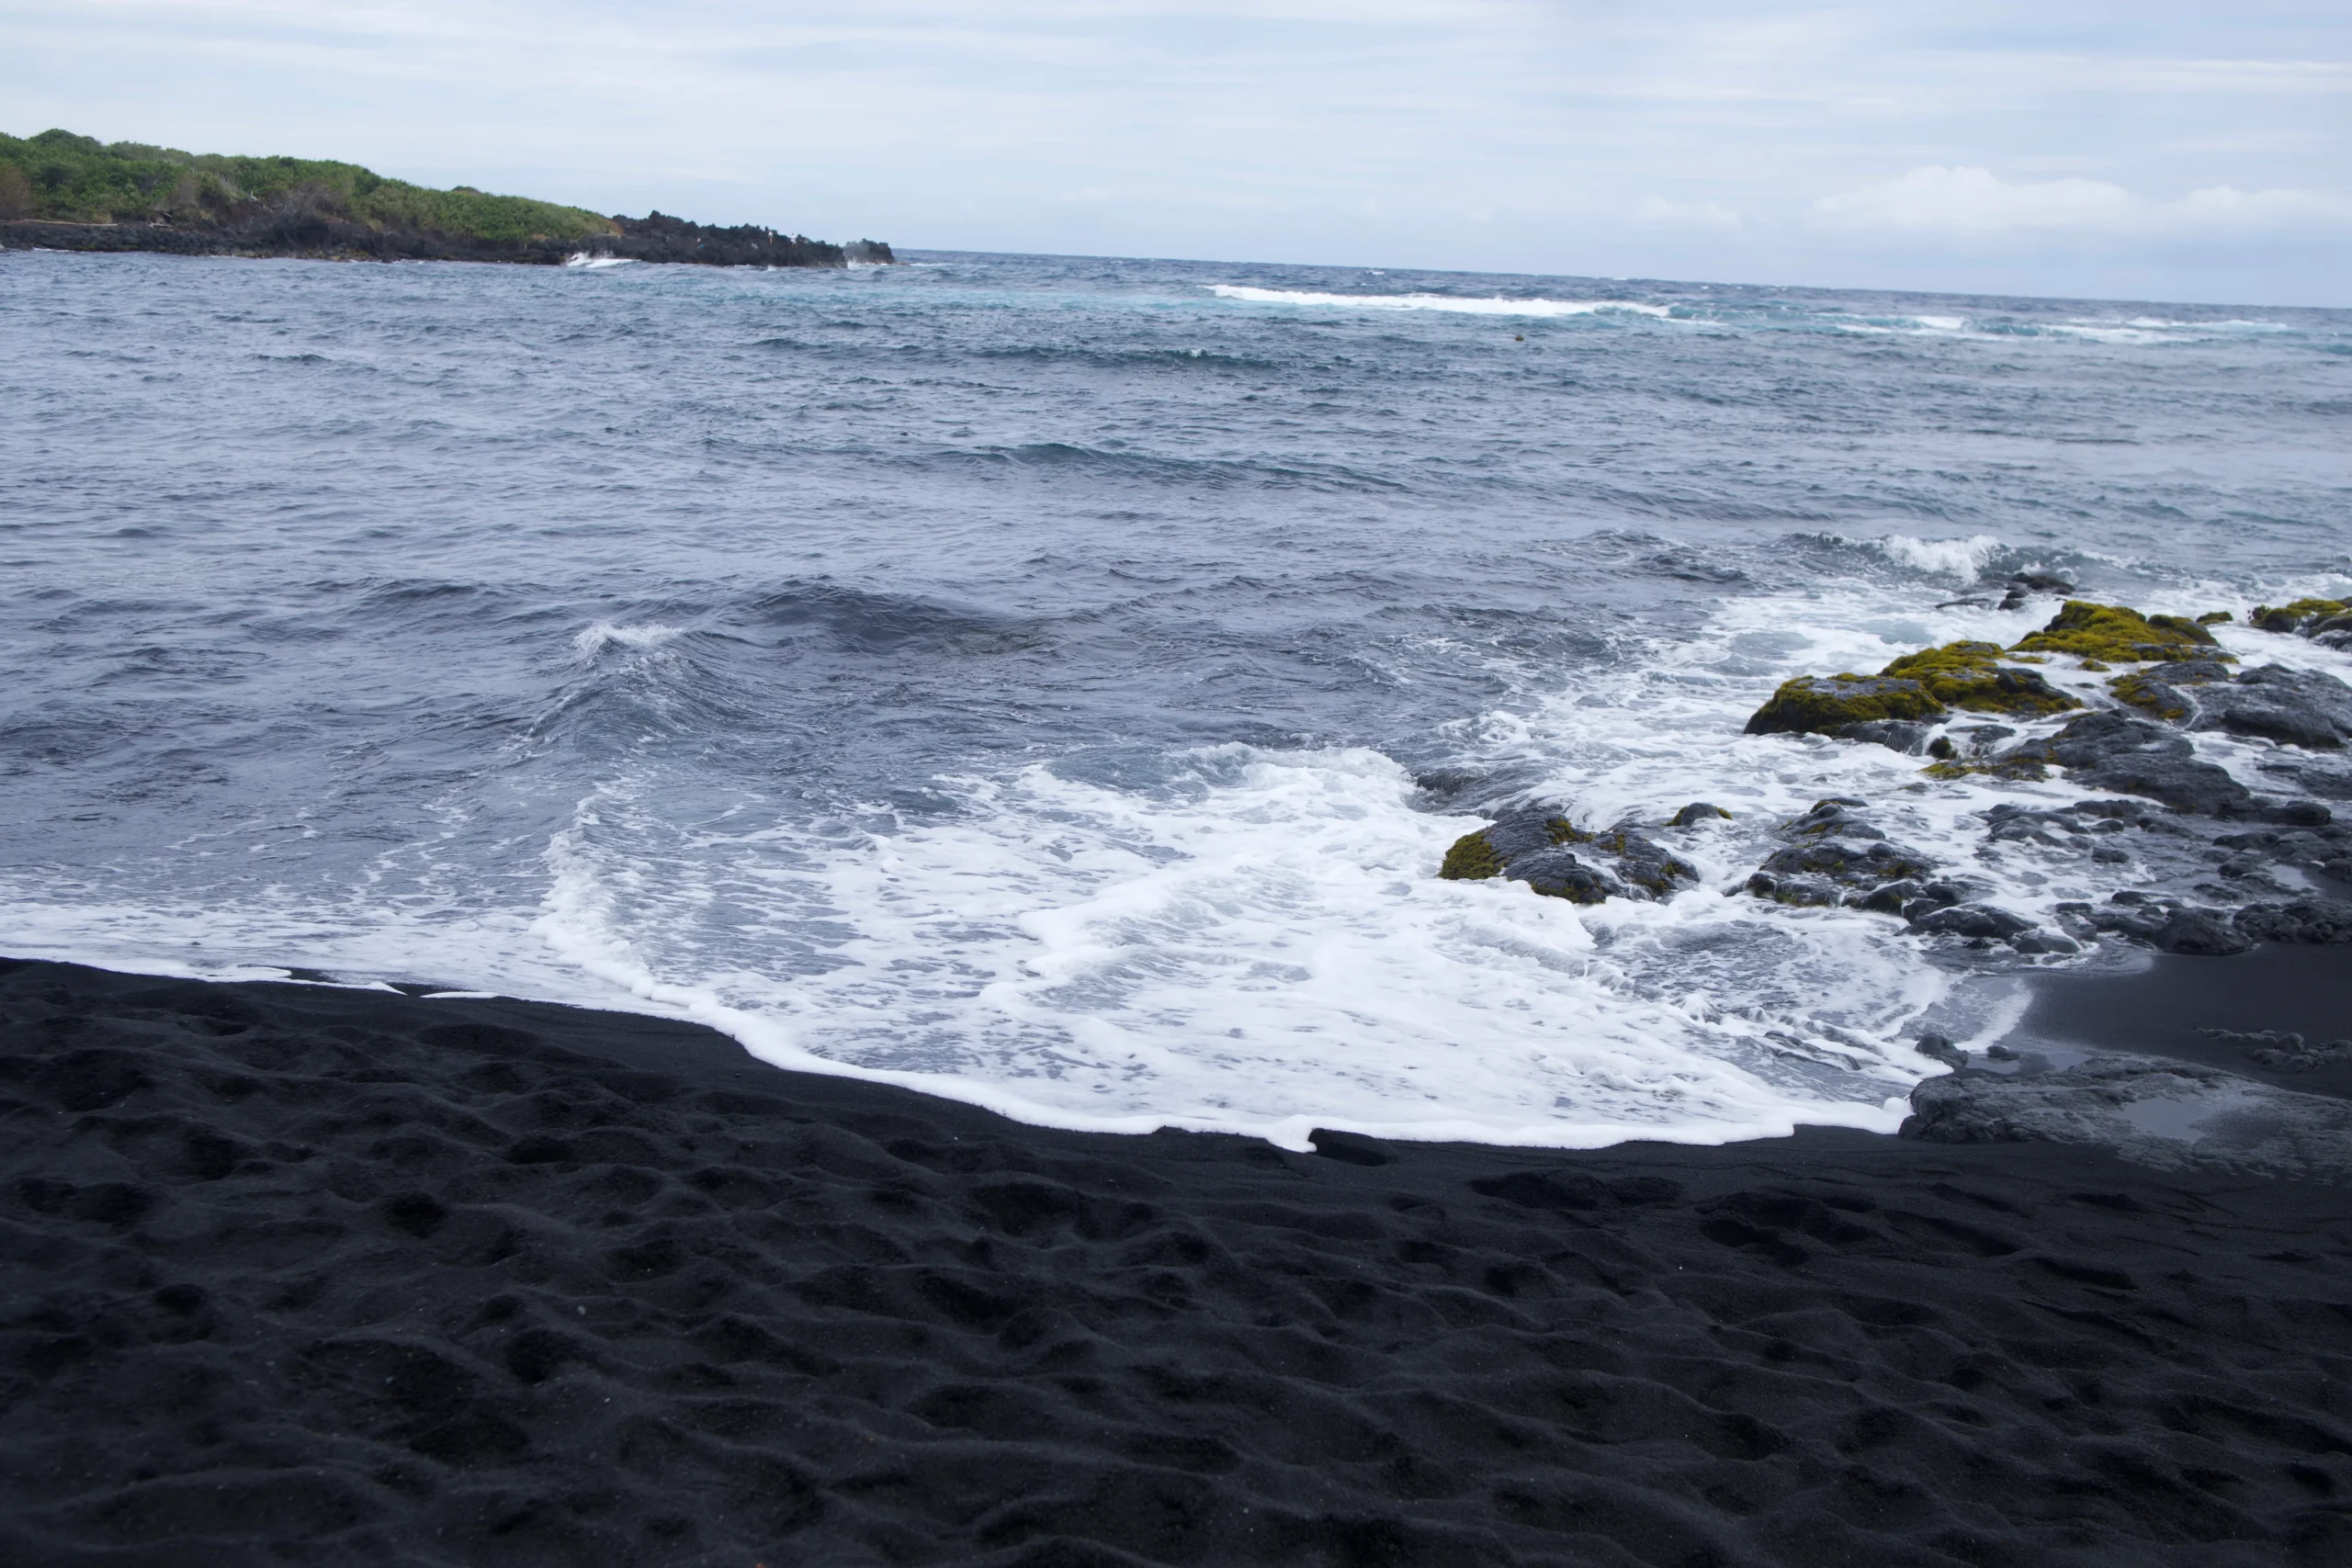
65, 190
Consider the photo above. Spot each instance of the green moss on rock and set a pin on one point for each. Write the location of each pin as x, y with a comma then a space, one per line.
2118, 635
1970, 675
2291, 617
2215, 618
1472, 859
2143, 690
1812, 705
2001, 767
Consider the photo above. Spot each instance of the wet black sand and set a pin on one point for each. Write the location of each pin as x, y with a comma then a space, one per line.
2166, 1007
297, 1275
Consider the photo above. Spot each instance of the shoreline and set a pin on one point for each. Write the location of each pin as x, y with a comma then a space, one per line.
310, 236
330, 1275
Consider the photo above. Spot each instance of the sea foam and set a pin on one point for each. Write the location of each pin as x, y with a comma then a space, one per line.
1492, 306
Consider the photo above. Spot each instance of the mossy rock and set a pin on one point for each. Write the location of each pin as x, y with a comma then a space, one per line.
2292, 618
1970, 675
2005, 766
2117, 634
1651, 866
1558, 874
1815, 705
2141, 689
1476, 856
1534, 847
1472, 859
2215, 618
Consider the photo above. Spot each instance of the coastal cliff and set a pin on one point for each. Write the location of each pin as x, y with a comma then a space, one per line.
60, 191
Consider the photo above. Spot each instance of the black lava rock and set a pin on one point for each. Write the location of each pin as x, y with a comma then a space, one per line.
2138, 756
2200, 933
2296, 708
1906, 736
2299, 920
1973, 920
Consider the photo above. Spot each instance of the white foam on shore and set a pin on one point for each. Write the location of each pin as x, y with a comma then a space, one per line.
1258, 943
1261, 945
1263, 950
1493, 306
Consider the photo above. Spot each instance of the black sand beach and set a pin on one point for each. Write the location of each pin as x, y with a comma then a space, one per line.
307, 1275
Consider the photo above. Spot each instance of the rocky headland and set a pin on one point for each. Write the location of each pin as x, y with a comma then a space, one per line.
60, 191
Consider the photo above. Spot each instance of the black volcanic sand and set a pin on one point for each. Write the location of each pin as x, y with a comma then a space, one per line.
2165, 1010
300, 1275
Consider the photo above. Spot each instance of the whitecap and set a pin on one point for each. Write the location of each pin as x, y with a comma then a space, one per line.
594, 639
1962, 558
1492, 306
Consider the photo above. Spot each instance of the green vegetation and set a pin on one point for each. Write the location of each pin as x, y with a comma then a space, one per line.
2143, 690
2005, 766
60, 177
1473, 856
1809, 705
1923, 686
1472, 859
2112, 634
1970, 675
2294, 618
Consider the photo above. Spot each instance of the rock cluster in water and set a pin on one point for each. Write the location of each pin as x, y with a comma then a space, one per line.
2228, 865
1541, 847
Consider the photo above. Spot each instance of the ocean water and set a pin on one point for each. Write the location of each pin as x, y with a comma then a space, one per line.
1054, 682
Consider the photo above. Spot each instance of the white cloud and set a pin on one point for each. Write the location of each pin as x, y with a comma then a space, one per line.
1678, 139
1658, 212
1935, 199
1971, 202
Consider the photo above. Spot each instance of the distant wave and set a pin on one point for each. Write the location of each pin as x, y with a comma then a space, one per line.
1494, 306
582, 259
1962, 558
607, 634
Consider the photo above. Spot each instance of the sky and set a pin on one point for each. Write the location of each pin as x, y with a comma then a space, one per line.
2155, 151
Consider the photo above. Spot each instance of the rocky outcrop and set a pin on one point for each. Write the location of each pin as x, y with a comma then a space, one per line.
2217, 863
2179, 925
2283, 1050
1970, 675
2295, 708
1815, 705
1540, 846
2170, 1115
313, 224
2024, 585
2298, 920
1914, 690
2112, 634
2324, 621
2138, 756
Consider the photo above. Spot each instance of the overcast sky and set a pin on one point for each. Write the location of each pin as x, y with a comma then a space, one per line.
2159, 149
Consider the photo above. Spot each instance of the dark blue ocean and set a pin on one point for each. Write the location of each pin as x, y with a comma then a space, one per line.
1054, 682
